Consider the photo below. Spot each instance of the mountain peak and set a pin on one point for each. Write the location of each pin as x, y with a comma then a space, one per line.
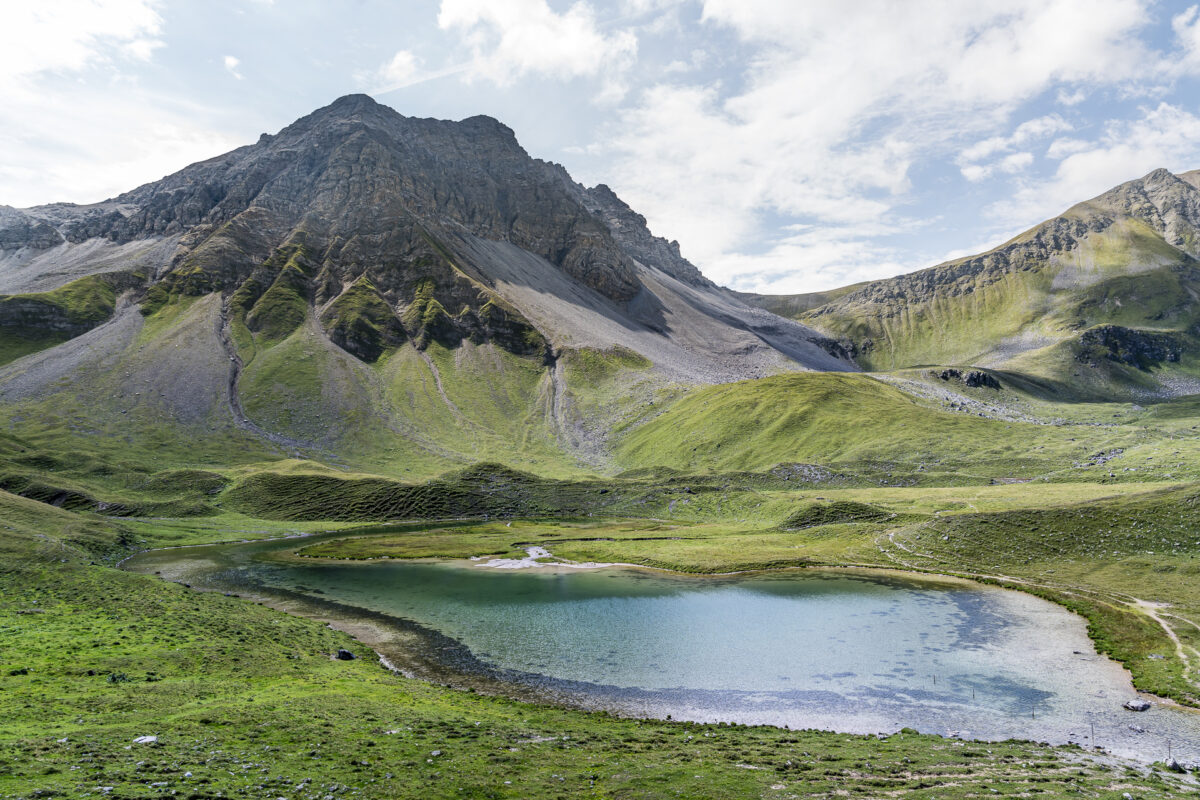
484, 124
1160, 174
383, 231
350, 104
349, 108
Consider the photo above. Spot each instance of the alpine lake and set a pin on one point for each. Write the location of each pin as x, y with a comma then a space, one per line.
848, 650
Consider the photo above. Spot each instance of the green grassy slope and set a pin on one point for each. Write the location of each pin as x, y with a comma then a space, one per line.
851, 421
154, 390
247, 702
1124, 259
33, 322
1126, 275
1113, 560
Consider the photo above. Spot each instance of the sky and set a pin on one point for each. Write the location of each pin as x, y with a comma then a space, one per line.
788, 145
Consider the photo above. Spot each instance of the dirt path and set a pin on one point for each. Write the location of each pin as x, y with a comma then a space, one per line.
235, 374
1151, 609
437, 381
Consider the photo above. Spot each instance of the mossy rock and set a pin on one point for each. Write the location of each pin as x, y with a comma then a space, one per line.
361, 322
282, 308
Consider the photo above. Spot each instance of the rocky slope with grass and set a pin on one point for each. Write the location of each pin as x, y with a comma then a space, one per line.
405, 295
1102, 299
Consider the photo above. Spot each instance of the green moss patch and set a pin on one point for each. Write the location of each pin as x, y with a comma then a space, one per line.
361, 321
33, 322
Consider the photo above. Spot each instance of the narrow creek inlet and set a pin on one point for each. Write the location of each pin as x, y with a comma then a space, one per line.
841, 650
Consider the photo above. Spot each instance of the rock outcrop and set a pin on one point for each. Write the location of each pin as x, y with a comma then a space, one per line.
1134, 348
971, 378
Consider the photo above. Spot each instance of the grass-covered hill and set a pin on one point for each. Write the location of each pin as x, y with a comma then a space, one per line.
1103, 296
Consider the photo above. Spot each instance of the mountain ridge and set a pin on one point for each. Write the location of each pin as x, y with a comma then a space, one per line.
1126, 258
346, 193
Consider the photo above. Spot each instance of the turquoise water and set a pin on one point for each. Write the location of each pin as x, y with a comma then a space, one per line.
828, 649
651, 631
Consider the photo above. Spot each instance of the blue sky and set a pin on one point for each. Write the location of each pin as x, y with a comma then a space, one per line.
789, 146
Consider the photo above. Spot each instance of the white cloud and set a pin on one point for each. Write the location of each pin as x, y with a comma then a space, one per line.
1164, 136
65, 62
1187, 30
1025, 133
400, 71
838, 256
132, 138
231, 64
1065, 146
1016, 162
836, 104
516, 38
1072, 98
73, 34
984, 149
402, 68
1039, 128
640, 7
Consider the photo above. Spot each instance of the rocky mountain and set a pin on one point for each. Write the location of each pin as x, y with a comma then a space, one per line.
396, 229
407, 294
1112, 284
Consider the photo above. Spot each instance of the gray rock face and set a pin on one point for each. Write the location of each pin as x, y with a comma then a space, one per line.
366, 184
972, 378
372, 219
18, 230
1168, 203
629, 229
1141, 349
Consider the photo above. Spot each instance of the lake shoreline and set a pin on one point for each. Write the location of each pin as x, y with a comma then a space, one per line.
395, 641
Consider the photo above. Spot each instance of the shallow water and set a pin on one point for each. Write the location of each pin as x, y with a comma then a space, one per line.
839, 650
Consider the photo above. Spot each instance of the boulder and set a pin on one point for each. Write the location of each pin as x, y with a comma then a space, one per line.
345, 655
1137, 704
972, 379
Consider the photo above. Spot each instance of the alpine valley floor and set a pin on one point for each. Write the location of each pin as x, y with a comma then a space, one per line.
247, 701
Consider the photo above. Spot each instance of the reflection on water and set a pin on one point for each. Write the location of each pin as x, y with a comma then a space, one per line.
836, 650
